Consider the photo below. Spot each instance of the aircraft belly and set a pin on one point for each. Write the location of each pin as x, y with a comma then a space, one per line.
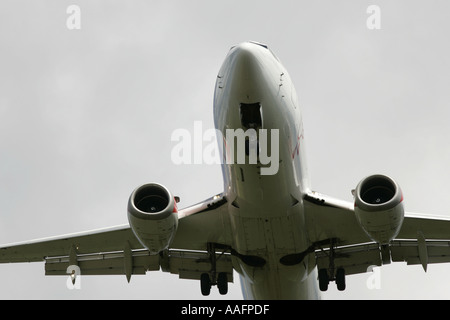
268, 235
271, 238
270, 285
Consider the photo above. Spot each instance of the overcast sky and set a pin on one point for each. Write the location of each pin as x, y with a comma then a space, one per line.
86, 116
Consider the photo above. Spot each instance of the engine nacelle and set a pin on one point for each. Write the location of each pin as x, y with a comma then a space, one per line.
153, 216
379, 207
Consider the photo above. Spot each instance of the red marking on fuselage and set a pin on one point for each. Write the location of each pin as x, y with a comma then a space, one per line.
297, 146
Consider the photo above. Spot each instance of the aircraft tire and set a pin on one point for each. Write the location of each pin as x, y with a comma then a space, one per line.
205, 284
340, 279
222, 283
324, 280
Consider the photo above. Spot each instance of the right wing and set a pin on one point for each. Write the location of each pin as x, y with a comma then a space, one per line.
116, 250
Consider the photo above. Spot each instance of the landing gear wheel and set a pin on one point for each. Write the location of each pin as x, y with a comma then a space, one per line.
222, 283
205, 284
340, 279
324, 280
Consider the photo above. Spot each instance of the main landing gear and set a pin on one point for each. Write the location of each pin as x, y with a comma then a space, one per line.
212, 278
339, 278
332, 273
221, 282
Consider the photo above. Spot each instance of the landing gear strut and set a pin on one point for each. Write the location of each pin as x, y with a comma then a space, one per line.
207, 280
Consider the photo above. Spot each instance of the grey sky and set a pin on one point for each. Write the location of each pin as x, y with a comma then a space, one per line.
86, 116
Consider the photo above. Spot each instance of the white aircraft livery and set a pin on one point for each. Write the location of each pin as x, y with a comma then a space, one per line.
283, 239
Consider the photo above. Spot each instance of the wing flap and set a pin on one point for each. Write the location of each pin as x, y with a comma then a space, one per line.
108, 263
187, 264
191, 264
409, 251
353, 259
361, 258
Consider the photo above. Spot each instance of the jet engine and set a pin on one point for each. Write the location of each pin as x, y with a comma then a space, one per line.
153, 216
379, 207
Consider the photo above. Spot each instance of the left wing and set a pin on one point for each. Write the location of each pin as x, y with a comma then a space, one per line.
116, 250
339, 241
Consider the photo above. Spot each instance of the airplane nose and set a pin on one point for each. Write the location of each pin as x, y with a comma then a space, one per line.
243, 77
245, 64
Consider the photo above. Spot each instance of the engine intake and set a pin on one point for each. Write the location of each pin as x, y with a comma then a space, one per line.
153, 216
379, 207
151, 199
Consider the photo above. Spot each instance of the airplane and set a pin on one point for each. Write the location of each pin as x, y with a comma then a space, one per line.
284, 240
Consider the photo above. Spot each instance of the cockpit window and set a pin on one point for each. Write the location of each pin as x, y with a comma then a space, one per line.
255, 42
260, 44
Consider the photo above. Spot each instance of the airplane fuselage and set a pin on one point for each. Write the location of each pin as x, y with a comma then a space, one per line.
254, 93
